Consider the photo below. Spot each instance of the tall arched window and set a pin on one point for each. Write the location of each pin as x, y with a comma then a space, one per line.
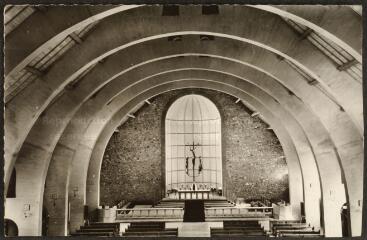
193, 144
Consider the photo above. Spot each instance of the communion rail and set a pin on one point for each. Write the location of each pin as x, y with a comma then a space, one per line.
132, 213
245, 212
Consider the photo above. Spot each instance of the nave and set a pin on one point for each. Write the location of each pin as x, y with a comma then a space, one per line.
119, 114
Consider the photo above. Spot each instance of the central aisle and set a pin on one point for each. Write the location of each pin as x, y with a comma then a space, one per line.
194, 211
194, 229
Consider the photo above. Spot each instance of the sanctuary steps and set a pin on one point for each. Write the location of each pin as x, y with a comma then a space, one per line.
293, 229
98, 229
149, 229
238, 228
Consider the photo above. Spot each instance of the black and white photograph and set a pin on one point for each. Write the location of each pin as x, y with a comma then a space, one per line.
221, 121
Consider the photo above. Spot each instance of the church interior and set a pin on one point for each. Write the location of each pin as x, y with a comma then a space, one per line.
183, 120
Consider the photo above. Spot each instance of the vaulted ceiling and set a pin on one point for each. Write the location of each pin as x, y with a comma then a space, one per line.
75, 73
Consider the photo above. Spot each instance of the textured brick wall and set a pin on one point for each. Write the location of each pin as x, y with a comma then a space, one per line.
253, 169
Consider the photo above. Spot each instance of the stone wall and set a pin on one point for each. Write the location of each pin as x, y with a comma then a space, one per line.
253, 165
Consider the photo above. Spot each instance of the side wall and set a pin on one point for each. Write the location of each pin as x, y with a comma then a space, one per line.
253, 166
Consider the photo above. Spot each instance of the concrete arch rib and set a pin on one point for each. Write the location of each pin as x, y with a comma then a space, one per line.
106, 113
175, 74
117, 122
353, 173
47, 40
310, 176
65, 152
79, 18
92, 191
93, 127
350, 38
69, 142
54, 85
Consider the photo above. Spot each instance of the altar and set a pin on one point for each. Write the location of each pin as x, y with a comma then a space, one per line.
193, 194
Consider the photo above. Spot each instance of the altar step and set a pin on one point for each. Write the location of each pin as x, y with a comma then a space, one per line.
293, 229
238, 228
241, 224
167, 203
98, 229
218, 203
149, 229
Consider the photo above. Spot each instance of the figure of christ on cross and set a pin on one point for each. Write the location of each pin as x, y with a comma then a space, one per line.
192, 150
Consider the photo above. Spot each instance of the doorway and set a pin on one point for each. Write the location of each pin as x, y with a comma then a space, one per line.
10, 228
345, 220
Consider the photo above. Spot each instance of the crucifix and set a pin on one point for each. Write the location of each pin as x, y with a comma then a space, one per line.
193, 159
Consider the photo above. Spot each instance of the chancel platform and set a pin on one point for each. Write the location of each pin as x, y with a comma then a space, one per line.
195, 218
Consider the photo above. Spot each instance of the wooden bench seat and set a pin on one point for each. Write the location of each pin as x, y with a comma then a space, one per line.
93, 234
238, 234
237, 231
149, 236
300, 235
299, 232
150, 233
241, 228
96, 230
149, 229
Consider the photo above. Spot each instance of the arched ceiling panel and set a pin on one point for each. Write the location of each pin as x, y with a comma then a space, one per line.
79, 92
97, 13
76, 63
81, 71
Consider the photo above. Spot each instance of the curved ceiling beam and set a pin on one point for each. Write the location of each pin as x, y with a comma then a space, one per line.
94, 128
346, 162
73, 19
46, 155
136, 64
57, 111
314, 76
81, 165
301, 145
79, 92
80, 156
78, 19
57, 108
38, 109
67, 142
92, 191
324, 20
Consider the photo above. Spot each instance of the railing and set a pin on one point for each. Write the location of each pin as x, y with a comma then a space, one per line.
130, 213
238, 212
